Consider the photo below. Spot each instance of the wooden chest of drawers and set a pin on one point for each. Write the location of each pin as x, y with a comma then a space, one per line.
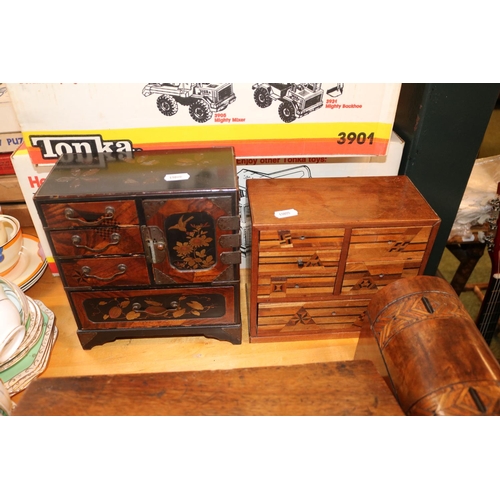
146, 243
314, 272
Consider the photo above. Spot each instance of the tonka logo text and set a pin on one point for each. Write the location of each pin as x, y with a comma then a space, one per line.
52, 147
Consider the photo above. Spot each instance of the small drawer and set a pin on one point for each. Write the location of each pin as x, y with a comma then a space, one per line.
174, 307
310, 318
368, 277
296, 285
303, 239
389, 243
90, 214
104, 271
293, 259
104, 240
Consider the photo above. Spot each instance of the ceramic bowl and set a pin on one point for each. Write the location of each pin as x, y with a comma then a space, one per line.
12, 329
10, 251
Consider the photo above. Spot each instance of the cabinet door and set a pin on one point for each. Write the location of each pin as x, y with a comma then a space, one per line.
192, 240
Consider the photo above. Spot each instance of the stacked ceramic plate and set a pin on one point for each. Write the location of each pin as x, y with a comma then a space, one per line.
32, 351
30, 266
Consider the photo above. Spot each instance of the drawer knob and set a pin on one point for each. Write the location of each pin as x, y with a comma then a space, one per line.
69, 213
122, 269
114, 240
300, 263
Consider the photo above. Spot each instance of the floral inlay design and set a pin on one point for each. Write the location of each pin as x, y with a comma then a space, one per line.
191, 241
153, 308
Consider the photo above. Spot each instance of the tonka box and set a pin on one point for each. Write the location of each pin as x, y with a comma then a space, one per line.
30, 177
305, 168
259, 120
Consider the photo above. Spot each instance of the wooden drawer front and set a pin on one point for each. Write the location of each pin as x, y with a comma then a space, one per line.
104, 271
90, 214
297, 284
292, 260
392, 243
369, 277
298, 318
303, 239
156, 307
104, 240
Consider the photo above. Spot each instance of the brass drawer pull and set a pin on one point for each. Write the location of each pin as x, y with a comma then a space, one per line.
122, 269
109, 213
76, 240
174, 307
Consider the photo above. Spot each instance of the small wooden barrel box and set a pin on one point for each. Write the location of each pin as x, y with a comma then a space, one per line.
322, 247
147, 243
437, 361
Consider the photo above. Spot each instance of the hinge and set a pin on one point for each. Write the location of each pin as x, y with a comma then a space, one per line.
230, 240
229, 223
230, 258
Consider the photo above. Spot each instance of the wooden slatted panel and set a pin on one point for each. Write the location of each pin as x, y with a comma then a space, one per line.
295, 286
369, 277
270, 260
384, 243
310, 317
301, 238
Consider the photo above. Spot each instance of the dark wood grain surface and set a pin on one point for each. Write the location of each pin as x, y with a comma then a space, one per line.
336, 388
436, 358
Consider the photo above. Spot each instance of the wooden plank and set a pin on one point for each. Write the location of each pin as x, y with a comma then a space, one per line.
342, 388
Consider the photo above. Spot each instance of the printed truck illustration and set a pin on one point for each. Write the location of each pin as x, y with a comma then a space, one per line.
203, 99
296, 99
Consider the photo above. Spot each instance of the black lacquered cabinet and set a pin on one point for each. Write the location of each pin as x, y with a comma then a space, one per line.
147, 243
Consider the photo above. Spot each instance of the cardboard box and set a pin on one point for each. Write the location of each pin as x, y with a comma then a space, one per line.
6, 167
259, 120
30, 178
8, 118
10, 141
323, 167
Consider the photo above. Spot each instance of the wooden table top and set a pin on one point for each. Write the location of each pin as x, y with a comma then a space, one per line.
180, 354
335, 389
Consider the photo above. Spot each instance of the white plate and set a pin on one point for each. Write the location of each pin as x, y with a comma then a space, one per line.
30, 338
31, 265
18, 377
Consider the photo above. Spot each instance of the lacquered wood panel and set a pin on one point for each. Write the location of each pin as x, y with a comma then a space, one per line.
193, 233
104, 271
89, 213
167, 307
102, 240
